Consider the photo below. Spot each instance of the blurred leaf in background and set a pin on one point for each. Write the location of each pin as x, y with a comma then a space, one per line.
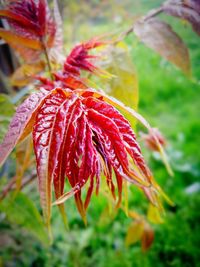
6, 112
19, 209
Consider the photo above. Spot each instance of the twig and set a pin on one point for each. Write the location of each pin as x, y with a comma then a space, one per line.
47, 58
28, 180
12, 184
152, 13
7, 188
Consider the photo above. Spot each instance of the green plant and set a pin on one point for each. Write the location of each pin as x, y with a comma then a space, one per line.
77, 131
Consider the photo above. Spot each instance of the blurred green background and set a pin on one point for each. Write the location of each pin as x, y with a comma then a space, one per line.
171, 102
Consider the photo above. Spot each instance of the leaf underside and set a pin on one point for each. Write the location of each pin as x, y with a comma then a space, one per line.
160, 37
188, 10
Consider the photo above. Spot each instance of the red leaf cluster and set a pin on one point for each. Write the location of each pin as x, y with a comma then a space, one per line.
78, 137
150, 139
78, 134
78, 60
30, 17
31, 27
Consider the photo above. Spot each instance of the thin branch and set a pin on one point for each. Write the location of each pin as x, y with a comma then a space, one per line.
47, 58
7, 188
152, 13
12, 184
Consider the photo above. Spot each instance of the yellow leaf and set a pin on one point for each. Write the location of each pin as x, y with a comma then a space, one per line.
123, 84
23, 159
24, 74
134, 215
12, 38
134, 232
154, 215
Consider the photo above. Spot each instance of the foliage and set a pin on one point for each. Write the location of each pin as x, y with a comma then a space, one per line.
33, 28
7, 110
21, 204
91, 135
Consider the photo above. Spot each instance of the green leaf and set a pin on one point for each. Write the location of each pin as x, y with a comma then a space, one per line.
20, 210
6, 112
154, 215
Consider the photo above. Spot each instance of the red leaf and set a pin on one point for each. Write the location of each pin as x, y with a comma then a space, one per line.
57, 151
74, 151
107, 167
42, 138
31, 25
150, 140
35, 12
42, 16
125, 130
147, 237
81, 161
69, 81
20, 20
57, 148
21, 124
110, 142
73, 159
117, 104
79, 58
114, 147
84, 170
80, 137
91, 163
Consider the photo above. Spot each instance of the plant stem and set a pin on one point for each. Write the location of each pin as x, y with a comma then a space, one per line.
47, 58
152, 13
